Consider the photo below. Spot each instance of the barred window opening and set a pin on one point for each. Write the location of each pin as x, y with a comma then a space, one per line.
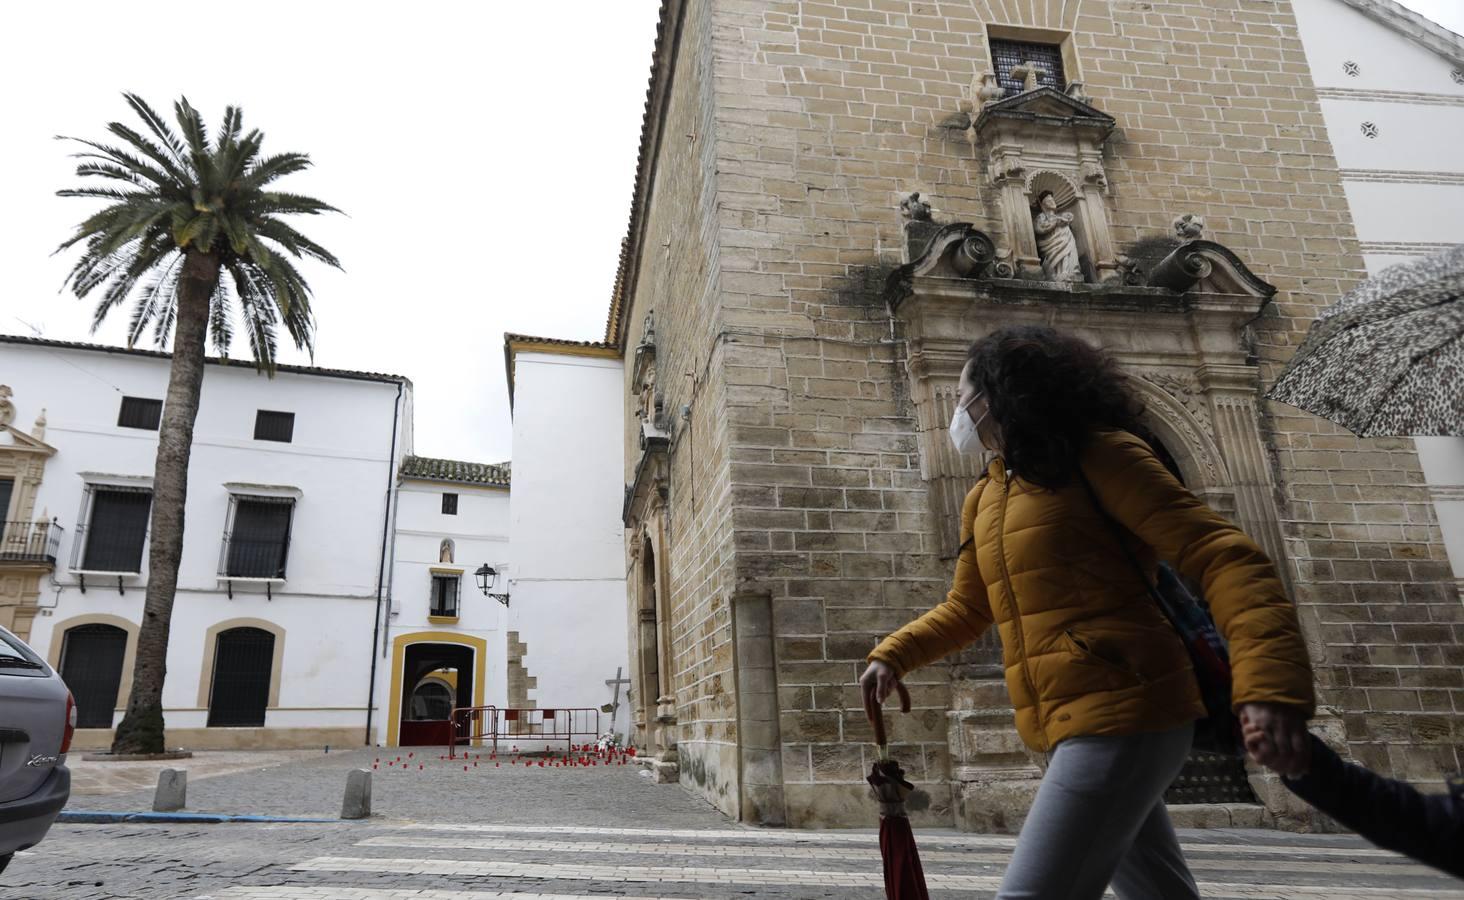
1008, 55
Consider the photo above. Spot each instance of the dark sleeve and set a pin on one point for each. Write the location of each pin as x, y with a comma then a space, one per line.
1391, 814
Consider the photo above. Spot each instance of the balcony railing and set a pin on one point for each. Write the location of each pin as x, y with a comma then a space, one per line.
30, 542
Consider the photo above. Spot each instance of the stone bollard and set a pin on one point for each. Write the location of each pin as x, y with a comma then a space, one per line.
172, 792
357, 804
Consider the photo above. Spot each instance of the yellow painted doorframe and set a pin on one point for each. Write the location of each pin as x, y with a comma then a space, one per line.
398, 658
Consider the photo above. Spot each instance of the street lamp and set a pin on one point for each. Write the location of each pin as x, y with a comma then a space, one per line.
487, 580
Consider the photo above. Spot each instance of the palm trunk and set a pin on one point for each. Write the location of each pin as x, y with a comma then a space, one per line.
141, 729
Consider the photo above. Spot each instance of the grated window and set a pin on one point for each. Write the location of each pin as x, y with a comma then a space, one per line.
1007, 55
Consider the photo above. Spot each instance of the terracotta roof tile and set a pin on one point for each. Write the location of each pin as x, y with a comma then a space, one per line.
430, 468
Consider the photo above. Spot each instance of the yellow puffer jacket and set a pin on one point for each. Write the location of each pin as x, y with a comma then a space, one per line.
1086, 649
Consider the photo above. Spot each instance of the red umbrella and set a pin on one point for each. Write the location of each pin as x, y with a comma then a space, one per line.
904, 879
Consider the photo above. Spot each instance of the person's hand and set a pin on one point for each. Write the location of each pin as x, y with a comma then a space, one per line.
1275, 737
877, 682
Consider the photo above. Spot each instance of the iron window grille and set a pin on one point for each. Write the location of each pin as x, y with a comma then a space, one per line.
91, 666
257, 537
445, 595
270, 425
1007, 55
243, 667
449, 504
140, 412
112, 529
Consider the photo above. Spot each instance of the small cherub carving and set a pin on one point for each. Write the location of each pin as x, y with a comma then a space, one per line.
1189, 227
915, 209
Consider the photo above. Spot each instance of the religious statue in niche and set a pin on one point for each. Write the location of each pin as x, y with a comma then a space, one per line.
1056, 244
445, 551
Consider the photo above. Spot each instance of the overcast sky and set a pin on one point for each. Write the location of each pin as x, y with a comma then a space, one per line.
484, 153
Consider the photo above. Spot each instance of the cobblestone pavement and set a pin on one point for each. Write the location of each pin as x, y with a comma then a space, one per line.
598, 832
97, 778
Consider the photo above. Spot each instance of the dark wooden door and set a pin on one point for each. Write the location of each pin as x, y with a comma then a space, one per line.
243, 663
91, 666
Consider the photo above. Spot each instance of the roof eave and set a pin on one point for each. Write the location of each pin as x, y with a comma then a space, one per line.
1420, 29
663, 64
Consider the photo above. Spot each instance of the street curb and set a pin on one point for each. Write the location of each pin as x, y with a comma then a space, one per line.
93, 817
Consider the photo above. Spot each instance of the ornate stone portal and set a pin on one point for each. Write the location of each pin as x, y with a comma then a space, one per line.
644, 516
1180, 332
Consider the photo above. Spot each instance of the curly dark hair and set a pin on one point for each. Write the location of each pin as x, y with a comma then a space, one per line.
1049, 391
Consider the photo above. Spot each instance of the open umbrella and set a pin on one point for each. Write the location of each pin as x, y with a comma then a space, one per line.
904, 879
1388, 358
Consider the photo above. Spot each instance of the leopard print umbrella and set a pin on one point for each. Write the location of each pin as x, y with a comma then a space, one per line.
1388, 358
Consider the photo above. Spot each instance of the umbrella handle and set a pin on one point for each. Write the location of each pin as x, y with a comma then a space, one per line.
875, 712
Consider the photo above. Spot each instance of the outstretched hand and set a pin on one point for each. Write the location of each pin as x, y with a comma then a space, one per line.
1275, 736
878, 682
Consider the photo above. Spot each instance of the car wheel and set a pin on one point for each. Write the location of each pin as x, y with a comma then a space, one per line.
5, 860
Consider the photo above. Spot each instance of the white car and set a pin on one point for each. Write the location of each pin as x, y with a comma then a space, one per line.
37, 719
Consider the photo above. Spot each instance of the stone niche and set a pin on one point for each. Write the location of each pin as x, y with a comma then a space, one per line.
1045, 142
1176, 322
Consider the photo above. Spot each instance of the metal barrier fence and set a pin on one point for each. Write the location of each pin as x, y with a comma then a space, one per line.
471, 725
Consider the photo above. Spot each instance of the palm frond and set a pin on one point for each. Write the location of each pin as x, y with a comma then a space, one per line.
151, 300
274, 203
157, 125
150, 150
220, 324
274, 167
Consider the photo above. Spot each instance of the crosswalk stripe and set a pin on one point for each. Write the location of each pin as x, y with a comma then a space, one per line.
849, 854
868, 838
813, 877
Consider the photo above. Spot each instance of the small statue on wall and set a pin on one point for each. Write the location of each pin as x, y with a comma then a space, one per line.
1056, 244
445, 551
915, 209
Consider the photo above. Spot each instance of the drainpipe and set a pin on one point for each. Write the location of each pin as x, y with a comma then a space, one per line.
396, 413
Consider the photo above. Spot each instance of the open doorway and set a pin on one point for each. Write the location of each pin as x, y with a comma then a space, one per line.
436, 678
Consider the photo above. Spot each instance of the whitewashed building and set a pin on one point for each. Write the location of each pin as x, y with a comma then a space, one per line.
289, 521
567, 616
1391, 85
444, 640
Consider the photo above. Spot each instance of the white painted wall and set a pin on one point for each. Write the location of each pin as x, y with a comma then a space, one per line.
480, 533
567, 539
339, 461
1406, 185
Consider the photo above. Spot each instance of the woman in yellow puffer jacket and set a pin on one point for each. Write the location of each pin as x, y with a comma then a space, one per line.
1099, 679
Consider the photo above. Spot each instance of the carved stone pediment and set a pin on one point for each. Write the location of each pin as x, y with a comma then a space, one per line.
1201, 266
957, 250
648, 491
1046, 106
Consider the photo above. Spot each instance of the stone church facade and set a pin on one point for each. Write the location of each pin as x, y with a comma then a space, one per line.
792, 322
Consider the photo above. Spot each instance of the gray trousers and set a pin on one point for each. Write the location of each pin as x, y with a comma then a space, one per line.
1099, 817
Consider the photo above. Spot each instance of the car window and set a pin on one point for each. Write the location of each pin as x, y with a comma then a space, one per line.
14, 654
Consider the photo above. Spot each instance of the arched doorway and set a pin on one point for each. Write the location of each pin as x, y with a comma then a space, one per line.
243, 666
435, 679
91, 666
1206, 777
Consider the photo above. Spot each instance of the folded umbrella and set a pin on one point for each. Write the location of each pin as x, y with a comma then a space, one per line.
904, 879
1388, 358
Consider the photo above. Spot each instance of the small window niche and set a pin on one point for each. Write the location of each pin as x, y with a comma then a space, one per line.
143, 413
449, 504
272, 425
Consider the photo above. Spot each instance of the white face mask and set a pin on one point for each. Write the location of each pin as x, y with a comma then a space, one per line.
965, 434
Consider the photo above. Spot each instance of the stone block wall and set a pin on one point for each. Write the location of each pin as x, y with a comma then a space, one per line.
826, 114
677, 277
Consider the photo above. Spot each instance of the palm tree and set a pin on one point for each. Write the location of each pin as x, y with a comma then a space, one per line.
180, 215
